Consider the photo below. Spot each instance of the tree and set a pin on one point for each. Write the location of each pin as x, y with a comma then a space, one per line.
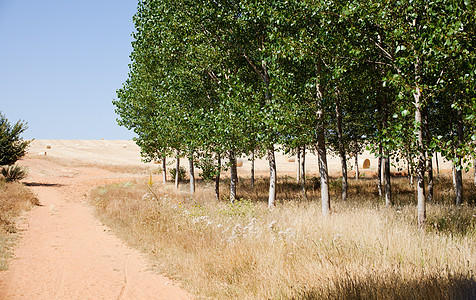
427, 49
12, 146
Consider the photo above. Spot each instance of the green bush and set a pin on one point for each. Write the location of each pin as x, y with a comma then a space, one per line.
181, 173
209, 168
12, 146
14, 173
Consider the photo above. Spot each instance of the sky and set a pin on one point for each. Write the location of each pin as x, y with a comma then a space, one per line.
61, 63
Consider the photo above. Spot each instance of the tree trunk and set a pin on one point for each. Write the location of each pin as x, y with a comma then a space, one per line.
192, 174
430, 177
459, 172
453, 172
386, 179
233, 176
379, 172
356, 163
164, 170
298, 161
420, 171
388, 184
217, 178
177, 169
272, 178
321, 149
326, 207
303, 173
318, 164
271, 158
429, 163
474, 170
459, 185
343, 161
342, 155
437, 165
253, 169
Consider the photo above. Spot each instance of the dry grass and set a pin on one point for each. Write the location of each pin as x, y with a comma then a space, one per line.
15, 198
132, 169
243, 251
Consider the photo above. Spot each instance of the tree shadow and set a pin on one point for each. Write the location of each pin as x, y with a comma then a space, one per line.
393, 286
41, 184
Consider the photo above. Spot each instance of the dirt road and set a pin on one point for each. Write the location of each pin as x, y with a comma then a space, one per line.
65, 253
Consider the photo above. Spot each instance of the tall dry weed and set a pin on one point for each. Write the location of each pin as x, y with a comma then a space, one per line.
15, 198
244, 251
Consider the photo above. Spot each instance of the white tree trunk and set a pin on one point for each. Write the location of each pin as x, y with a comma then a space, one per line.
318, 164
459, 172
298, 165
453, 173
321, 149
177, 169
272, 178
192, 175
164, 171
303, 173
430, 178
342, 155
421, 161
217, 178
459, 186
233, 176
253, 169
437, 165
325, 199
474, 170
388, 184
379, 174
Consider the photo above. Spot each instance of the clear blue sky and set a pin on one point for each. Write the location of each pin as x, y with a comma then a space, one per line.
61, 62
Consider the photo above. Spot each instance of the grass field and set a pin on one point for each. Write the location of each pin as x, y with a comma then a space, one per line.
15, 198
244, 251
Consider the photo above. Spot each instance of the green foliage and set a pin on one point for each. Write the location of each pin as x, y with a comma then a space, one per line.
181, 174
240, 208
208, 167
219, 76
454, 222
12, 146
14, 173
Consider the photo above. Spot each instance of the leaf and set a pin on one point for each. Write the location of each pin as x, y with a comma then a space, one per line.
400, 48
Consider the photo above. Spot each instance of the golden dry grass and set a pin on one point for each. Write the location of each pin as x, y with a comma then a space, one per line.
133, 169
244, 251
15, 198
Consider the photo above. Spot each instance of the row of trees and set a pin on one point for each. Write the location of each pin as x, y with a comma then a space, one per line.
230, 78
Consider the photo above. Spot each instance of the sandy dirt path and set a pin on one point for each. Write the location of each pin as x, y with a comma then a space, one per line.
65, 253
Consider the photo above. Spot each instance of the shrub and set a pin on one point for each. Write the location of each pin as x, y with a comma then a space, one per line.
209, 168
14, 173
12, 146
181, 173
